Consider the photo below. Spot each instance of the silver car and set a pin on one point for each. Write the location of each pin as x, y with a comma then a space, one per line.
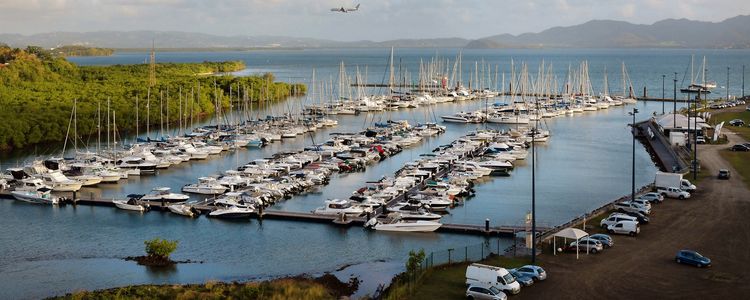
481, 293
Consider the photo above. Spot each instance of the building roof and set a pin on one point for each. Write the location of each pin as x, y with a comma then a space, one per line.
668, 121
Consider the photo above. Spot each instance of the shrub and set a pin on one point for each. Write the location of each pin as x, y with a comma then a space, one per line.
160, 247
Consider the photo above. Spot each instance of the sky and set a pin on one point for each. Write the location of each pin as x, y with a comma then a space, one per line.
377, 20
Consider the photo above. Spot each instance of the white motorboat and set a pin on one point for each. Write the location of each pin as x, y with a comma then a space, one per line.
398, 224
138, 165
36, 192
131, 204
337, 207
164, 194
508, 119
413, 212
205, 186
232, 212
183, 209
60, 183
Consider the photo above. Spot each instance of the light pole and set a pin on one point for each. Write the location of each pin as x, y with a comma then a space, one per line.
674, 110
632, 127
663, 78
743, 81
695, 136
727, 83
533, 185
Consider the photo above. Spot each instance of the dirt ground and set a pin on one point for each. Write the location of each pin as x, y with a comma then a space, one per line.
715, 222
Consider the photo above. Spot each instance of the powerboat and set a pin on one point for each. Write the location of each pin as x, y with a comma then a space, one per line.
205, 186
231, 212
398, 224
413, 212
33, 190
164, 194
132, 204
338, 206
183, 209
60, 183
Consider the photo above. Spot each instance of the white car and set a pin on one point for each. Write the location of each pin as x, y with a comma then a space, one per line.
642, 202
481, 293
652, 197
625, 227
616, 218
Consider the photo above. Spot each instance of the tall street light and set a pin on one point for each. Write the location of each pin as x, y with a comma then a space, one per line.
727, 83
663, 77
632, 127
533, 185
674, 110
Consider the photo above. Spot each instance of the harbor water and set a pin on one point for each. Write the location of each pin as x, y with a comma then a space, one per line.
587, 162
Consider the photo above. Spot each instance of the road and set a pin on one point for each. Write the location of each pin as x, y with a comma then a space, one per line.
714, 222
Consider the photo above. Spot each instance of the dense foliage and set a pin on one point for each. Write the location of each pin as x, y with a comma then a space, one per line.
81, 51
160, 248
38, 91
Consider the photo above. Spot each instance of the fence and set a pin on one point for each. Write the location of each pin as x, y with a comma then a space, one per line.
404, 285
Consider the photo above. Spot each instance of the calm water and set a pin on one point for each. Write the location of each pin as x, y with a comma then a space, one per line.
49, 250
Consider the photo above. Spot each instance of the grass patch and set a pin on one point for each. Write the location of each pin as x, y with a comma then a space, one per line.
276, 289
449, 282
743, 131
738, 160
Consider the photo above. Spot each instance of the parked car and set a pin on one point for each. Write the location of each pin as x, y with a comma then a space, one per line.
481, 293
724, 174
737, 122
492, 276
536, 272
690, 257
614, 219
641, 218
523, 279
652, 197
630, 228
586, 244
642, 202
606, 240
747, 108
740, 147
633, 207
700, 140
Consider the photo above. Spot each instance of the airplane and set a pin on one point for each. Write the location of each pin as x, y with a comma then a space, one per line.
345, 10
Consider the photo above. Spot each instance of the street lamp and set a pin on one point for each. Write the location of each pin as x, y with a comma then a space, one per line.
727, 83
632, 127
663, 77
674, 110
533, 185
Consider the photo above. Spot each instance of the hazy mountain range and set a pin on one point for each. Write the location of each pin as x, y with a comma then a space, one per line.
670, 33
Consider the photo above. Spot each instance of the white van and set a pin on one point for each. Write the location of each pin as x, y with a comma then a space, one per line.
625, 227
484, 275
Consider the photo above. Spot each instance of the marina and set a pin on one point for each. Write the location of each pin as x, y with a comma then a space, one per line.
582, 147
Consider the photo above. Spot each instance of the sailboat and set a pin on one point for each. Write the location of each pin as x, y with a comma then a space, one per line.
701, 86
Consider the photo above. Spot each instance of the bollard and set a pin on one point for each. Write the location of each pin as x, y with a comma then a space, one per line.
74, 197
487, 225
260, 211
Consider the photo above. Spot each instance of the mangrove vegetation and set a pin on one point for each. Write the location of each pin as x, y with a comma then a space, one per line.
38, 91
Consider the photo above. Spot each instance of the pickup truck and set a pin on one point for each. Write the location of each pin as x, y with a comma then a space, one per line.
673, 192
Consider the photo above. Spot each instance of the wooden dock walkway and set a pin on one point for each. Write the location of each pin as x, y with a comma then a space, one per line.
503, 231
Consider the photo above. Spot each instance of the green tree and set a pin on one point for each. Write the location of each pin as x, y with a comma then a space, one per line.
415, 261
160, 248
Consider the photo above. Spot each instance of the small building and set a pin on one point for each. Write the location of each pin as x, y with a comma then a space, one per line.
672, 125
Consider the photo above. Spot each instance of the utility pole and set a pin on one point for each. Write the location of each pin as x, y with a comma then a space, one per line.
743, 81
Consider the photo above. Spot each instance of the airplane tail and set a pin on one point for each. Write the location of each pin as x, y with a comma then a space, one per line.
356, 7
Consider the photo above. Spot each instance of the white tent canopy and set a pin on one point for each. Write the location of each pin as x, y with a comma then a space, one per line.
569, 233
